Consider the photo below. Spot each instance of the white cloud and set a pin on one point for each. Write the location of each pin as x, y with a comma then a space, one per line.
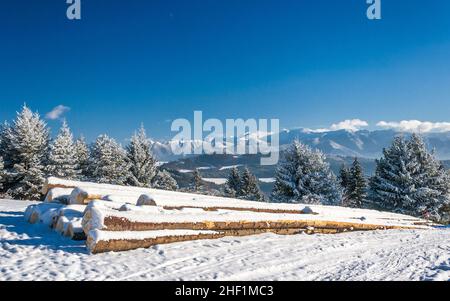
352, 125
416, 126
57, 112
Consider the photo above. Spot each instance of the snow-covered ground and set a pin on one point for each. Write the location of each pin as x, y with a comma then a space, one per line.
34, 252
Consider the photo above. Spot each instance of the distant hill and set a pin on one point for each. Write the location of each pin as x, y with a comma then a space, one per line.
363, 143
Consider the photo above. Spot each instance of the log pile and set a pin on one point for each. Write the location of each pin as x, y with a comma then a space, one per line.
117, 218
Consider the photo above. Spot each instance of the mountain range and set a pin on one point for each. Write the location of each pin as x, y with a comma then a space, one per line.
362, 143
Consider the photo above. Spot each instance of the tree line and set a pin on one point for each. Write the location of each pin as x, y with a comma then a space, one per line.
28, 155
408, 179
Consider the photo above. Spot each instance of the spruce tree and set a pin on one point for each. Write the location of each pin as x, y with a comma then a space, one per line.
197, 181
233, 184
28, 139
62, 159
2, 173
303, 176
250, 189
5, 154
82, 157
356, 190
6, 150
108, 162
163, 180
143, 164
393, 183
409, 180
432, 182
344, 175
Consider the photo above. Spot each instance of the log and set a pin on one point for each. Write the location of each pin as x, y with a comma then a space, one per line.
28, 214
80, 196
44, 213
103, 241
86, 192
61, 195
67, 214
112, 223
75, 230
113, 220
146, 200
62, 224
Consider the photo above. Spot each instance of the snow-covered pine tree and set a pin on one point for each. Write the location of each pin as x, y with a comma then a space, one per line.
344, 175
432, 183
163, 180
356, 190
250, 189
28, 139
5, 153
393, 185
6, 150
233, 184
62, 158
108, 162
2, 173
82, 156
304, 176
197, 181
143, 164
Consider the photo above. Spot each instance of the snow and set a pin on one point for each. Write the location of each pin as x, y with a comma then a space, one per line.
217, 181
58, 193
230, 167
267, 180
158, 215
38, 253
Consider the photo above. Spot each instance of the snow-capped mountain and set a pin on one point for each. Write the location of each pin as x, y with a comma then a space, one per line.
363, 143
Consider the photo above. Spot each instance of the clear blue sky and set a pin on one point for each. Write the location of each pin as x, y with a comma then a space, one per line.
309, 63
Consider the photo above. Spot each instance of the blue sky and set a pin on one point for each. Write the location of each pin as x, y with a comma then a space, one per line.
309, 63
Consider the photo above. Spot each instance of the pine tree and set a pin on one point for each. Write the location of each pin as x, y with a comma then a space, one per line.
197, 181
233, 184
344, 175
2, 173
432, 182
249, 188
62, 159
6, 150
304, 176
393, 184
356, 189
108, 162
410, 180
143, 164
82, 157
5, 154
28, 139
163, 180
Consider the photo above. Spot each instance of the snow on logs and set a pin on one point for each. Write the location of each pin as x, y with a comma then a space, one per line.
44, 213
85, 192
100, 217
57, 194
119, 218
146, 200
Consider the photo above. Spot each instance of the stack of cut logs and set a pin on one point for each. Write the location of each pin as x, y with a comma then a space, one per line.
118, 218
